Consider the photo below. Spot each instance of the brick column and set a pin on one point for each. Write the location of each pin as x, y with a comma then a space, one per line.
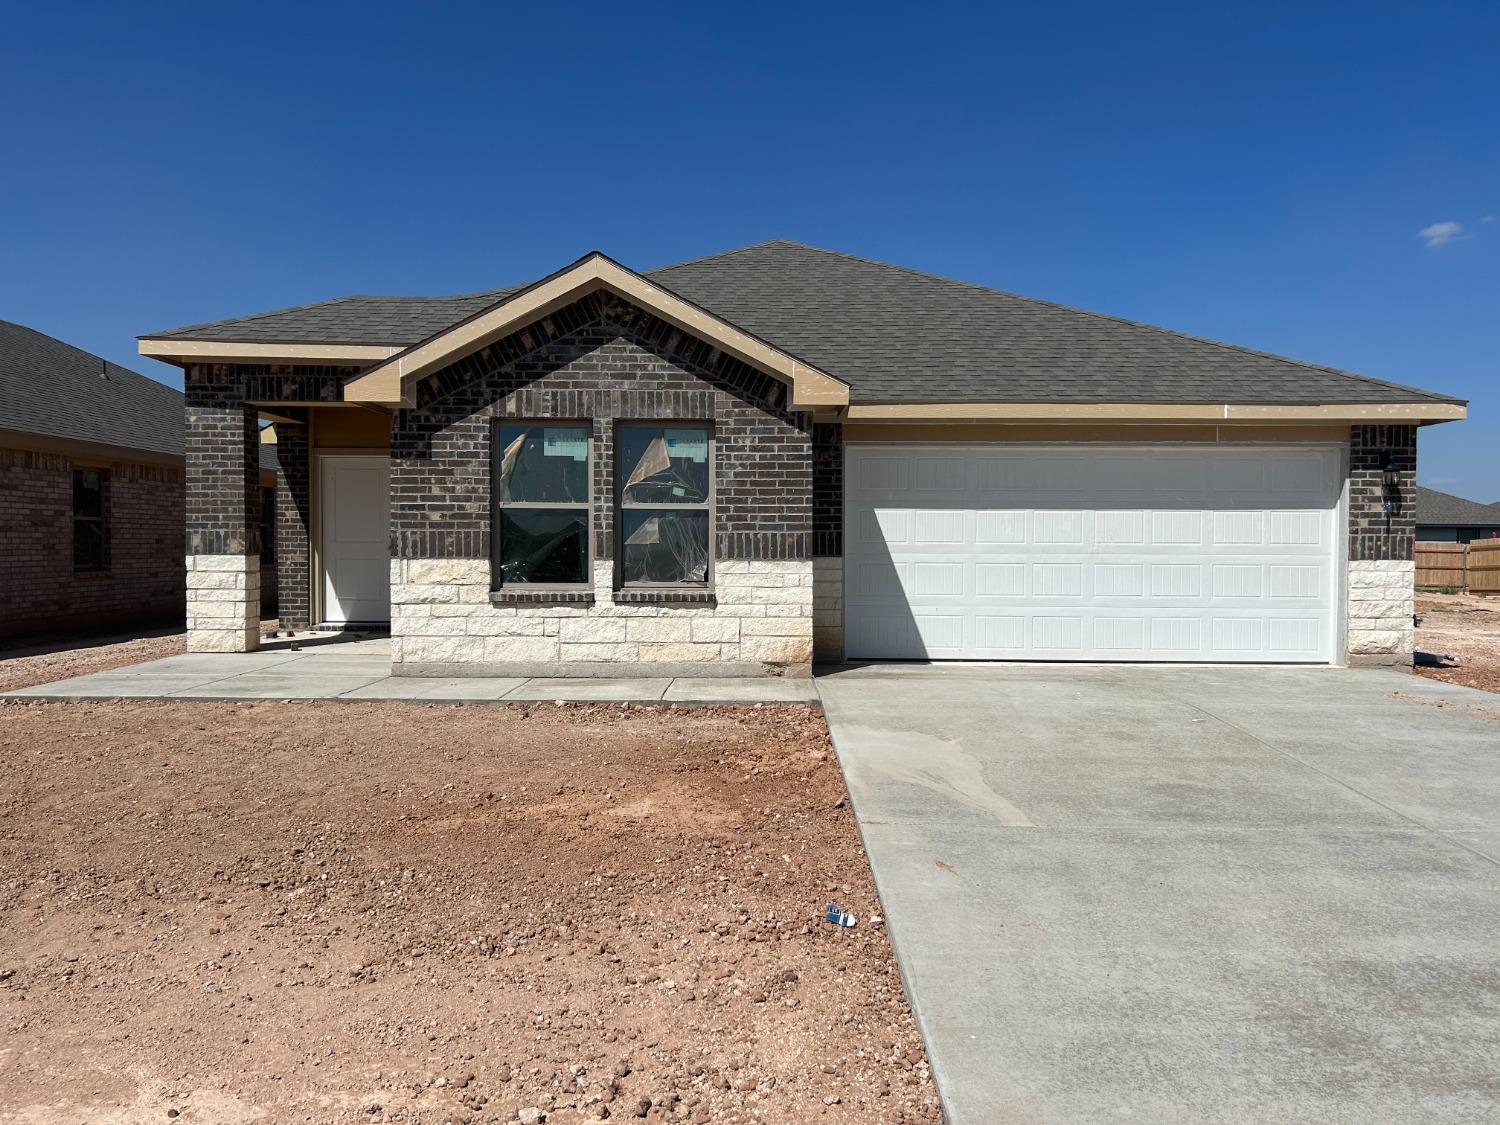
828, 540
293, 525
1381, 570
222, 446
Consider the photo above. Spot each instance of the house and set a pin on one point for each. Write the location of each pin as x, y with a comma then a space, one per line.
91, 490
746, 461
1445, 518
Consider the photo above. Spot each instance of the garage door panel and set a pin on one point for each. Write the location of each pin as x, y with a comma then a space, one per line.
1168, 554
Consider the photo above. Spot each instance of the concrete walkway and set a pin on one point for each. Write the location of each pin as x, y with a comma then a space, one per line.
351, 669
1166, 894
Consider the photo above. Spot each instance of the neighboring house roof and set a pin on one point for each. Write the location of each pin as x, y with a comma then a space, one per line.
893, 334
51, 388
1441, 509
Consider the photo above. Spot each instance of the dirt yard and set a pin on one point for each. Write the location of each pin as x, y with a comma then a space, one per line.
334, 912
1464, 625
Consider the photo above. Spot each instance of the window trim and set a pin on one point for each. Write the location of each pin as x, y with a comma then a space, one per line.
621, 505
102, 519
497, 505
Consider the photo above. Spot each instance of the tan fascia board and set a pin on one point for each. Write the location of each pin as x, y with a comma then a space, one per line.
1157, 412
230, 351
391, 382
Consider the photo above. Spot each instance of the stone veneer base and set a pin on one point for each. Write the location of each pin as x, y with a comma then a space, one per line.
1382, 599
223, 603
444, 623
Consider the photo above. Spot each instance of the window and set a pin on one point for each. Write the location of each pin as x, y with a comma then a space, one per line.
664, 497
90, 520
542, 505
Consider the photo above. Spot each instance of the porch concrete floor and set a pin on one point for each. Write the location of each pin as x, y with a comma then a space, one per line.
358, 668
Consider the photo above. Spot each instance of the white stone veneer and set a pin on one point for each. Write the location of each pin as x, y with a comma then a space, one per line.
1381, 603
223, 603
828, 609
443, 622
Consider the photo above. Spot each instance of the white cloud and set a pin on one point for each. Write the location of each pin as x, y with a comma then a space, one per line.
1440, 234
1487, 219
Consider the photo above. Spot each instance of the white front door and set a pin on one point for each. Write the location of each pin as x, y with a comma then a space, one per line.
1071, 552
354, 545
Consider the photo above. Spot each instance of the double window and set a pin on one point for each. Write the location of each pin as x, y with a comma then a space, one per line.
90, 520
662, 491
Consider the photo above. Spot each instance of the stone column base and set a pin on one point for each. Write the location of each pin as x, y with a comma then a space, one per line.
1382, 599
223, 603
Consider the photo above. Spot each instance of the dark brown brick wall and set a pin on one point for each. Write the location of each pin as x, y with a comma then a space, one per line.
293, 524
602, 360
1370, 537
828, 490
38, 589
222, 446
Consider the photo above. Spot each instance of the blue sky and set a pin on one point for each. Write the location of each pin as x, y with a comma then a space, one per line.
1257, 173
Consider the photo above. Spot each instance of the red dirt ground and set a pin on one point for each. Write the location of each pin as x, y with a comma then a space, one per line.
1466, 625
340, 912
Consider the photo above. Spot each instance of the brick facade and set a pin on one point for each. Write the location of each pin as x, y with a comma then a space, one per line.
601, 360
1374, 535
294, 523
39, 590
828, 490
222, 449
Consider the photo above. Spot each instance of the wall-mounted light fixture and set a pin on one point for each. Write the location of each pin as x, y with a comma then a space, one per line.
1390, 492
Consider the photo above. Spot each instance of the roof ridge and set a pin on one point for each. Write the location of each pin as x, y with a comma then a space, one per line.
1339, 371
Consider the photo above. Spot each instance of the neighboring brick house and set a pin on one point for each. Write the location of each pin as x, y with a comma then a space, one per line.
91, 487
739, 463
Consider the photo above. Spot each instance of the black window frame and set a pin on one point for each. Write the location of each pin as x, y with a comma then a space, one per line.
498, 504
99, 519
708, 505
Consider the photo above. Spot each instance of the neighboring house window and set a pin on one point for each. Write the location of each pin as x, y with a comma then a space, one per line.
268, 525
90, 520
665, 492
542, 504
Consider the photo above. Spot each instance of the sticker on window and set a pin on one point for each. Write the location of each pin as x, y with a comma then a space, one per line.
564, 443
687, 448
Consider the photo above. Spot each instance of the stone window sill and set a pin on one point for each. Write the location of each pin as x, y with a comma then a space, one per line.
665, 596
541, 597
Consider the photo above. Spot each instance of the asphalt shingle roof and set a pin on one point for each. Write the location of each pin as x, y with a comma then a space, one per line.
893, 334
1443, 509
52, 388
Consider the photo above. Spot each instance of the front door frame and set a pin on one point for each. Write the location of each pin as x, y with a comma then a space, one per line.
315, 572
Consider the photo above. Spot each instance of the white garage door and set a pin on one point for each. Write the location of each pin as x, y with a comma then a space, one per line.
988, 552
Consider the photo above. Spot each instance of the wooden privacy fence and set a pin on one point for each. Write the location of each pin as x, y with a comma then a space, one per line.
1474, 567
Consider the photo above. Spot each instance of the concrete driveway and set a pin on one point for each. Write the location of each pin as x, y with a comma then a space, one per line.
1187, 894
